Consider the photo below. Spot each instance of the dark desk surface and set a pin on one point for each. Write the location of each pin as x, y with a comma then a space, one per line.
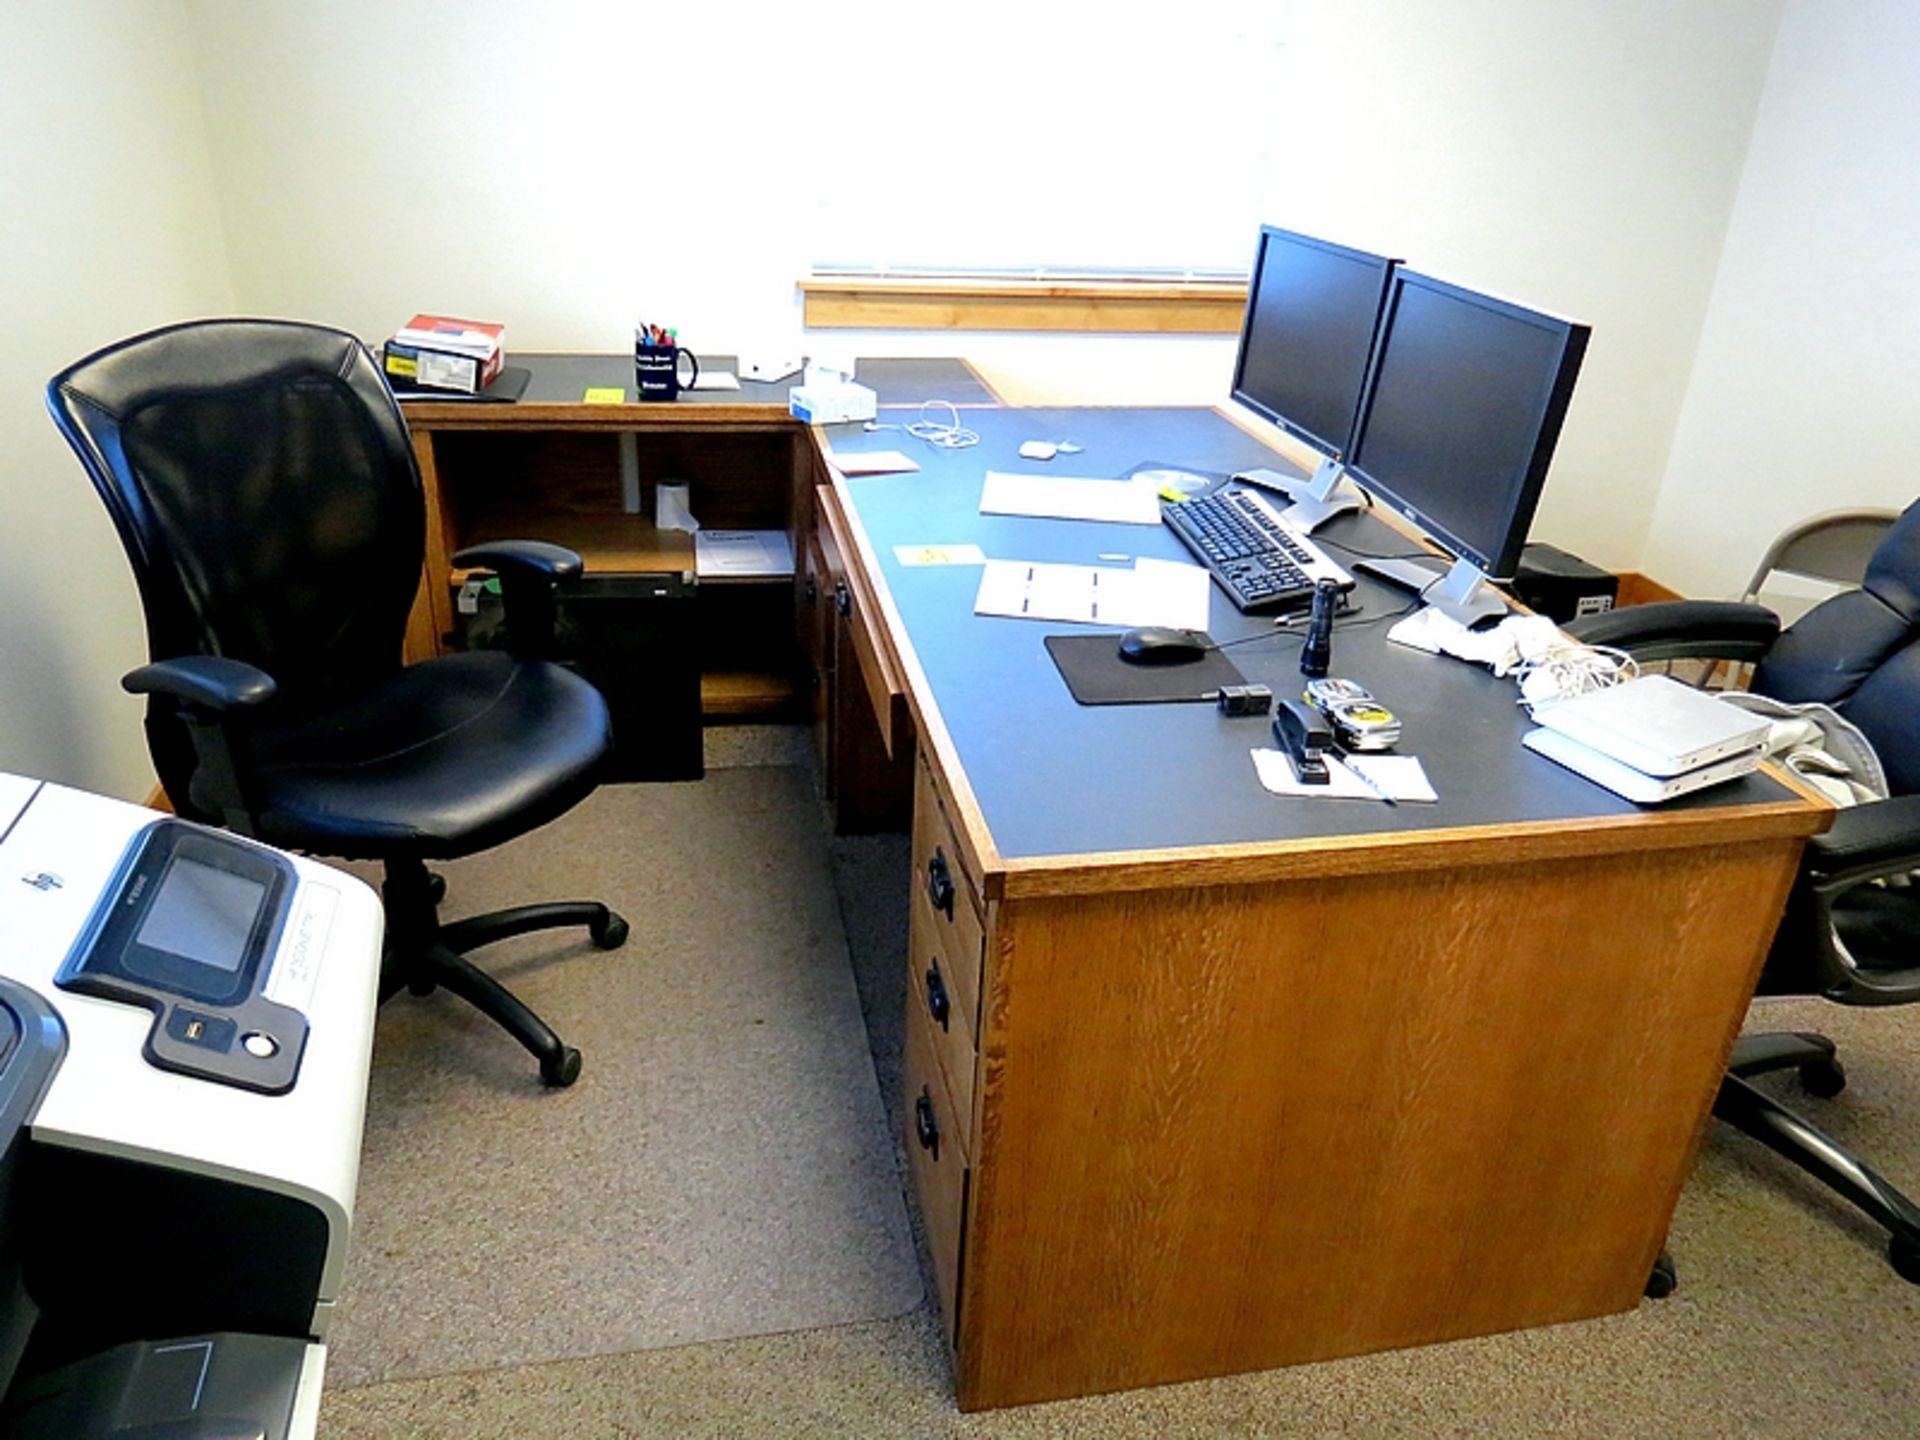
557, 379
1054, 778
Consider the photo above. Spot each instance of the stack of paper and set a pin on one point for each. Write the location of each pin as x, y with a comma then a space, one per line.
736, 554
1064, 497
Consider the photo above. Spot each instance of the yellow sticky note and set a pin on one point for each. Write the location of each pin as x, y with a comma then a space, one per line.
605, 395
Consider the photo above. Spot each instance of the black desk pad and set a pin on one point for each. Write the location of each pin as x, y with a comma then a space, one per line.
1095, 673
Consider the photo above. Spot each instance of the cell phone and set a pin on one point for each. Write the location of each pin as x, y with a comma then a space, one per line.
1301, 731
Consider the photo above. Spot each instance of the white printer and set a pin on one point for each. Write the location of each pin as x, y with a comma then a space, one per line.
186, 1019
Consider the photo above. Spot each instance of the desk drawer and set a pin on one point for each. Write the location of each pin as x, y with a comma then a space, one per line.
950, 1018
852, 602
944, 894
938, 1161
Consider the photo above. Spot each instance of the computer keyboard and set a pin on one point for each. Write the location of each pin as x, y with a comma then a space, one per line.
1258, 559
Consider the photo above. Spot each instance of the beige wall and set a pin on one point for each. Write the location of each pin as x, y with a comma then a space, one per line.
107, 225
1803, 396
1582, 155
364, 160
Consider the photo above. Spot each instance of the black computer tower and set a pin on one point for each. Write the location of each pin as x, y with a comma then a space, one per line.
634, 638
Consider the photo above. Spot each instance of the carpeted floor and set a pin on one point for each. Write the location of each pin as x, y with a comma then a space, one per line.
1788, 1321
721, 1168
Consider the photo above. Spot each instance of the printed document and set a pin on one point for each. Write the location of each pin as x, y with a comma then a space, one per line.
1153, 592
1064, 497
721, 553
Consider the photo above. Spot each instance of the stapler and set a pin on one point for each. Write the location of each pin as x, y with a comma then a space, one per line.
1302, 732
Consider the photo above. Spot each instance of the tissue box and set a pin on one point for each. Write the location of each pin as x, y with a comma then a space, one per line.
832, 404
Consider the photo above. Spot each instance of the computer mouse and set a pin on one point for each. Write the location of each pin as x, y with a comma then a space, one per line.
1158, 645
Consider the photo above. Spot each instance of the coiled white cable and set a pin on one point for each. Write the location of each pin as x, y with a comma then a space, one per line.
948, 436
1568, 670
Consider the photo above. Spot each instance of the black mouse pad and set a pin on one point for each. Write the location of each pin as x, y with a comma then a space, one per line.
1095, 673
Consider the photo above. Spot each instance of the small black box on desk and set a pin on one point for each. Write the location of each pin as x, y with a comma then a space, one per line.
1561, 586
632, 637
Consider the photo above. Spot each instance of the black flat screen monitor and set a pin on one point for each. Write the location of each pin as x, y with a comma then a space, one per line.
1462, 413
1312, 308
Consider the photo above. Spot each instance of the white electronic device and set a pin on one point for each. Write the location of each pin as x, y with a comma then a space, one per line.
1656, 725
768, 364
206, 1004
1624, 780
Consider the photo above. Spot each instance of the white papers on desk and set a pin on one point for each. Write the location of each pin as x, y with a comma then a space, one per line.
716, 380
726, 554
873, 462
1400, 776
1066, 497
1153, 592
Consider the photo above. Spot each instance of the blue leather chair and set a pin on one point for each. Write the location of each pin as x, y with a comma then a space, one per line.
1846, 936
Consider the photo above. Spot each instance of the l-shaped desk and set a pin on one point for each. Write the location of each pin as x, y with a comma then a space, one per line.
1200, 1080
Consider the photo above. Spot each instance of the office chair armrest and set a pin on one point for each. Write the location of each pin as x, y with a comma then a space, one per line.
532, 558
528, 570
215, 697
1867, 842
209, 683
1682, 630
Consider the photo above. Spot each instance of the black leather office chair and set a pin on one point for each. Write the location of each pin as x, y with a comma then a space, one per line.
1845, 936
264, 486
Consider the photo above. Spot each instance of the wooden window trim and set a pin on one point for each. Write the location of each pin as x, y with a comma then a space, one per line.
1118, 306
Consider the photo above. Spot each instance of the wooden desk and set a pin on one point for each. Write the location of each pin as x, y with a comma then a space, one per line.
550, 467
1199, 1080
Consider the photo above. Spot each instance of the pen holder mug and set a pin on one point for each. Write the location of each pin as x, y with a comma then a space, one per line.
656, 371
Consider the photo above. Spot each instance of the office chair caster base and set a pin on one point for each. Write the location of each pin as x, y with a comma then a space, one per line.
1663, 1279
1823, 1079
478, 930
611, 934
560, 1071
1903, 1253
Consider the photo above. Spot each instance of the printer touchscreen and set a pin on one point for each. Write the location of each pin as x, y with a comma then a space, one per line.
202, 913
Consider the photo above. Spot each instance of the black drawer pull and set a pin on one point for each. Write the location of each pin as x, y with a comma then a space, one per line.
937, 1005
925, 1127
842, 597
940, 884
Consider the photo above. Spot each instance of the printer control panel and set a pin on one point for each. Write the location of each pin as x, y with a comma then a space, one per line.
187, 928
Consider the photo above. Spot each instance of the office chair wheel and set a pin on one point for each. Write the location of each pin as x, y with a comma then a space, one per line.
611, 934
1823, 1078
562, 1070
1663, 1280
1903, 1253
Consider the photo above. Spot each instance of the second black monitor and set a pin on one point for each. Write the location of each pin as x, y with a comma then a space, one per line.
1312, 307
1463, 412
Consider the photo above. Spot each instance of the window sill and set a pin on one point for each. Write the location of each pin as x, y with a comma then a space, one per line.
1149, 307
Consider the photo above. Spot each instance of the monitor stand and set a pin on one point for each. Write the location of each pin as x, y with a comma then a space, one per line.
1461, 593
1315, 500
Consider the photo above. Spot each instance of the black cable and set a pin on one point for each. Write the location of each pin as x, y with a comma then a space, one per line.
1347, 619
1355, 550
